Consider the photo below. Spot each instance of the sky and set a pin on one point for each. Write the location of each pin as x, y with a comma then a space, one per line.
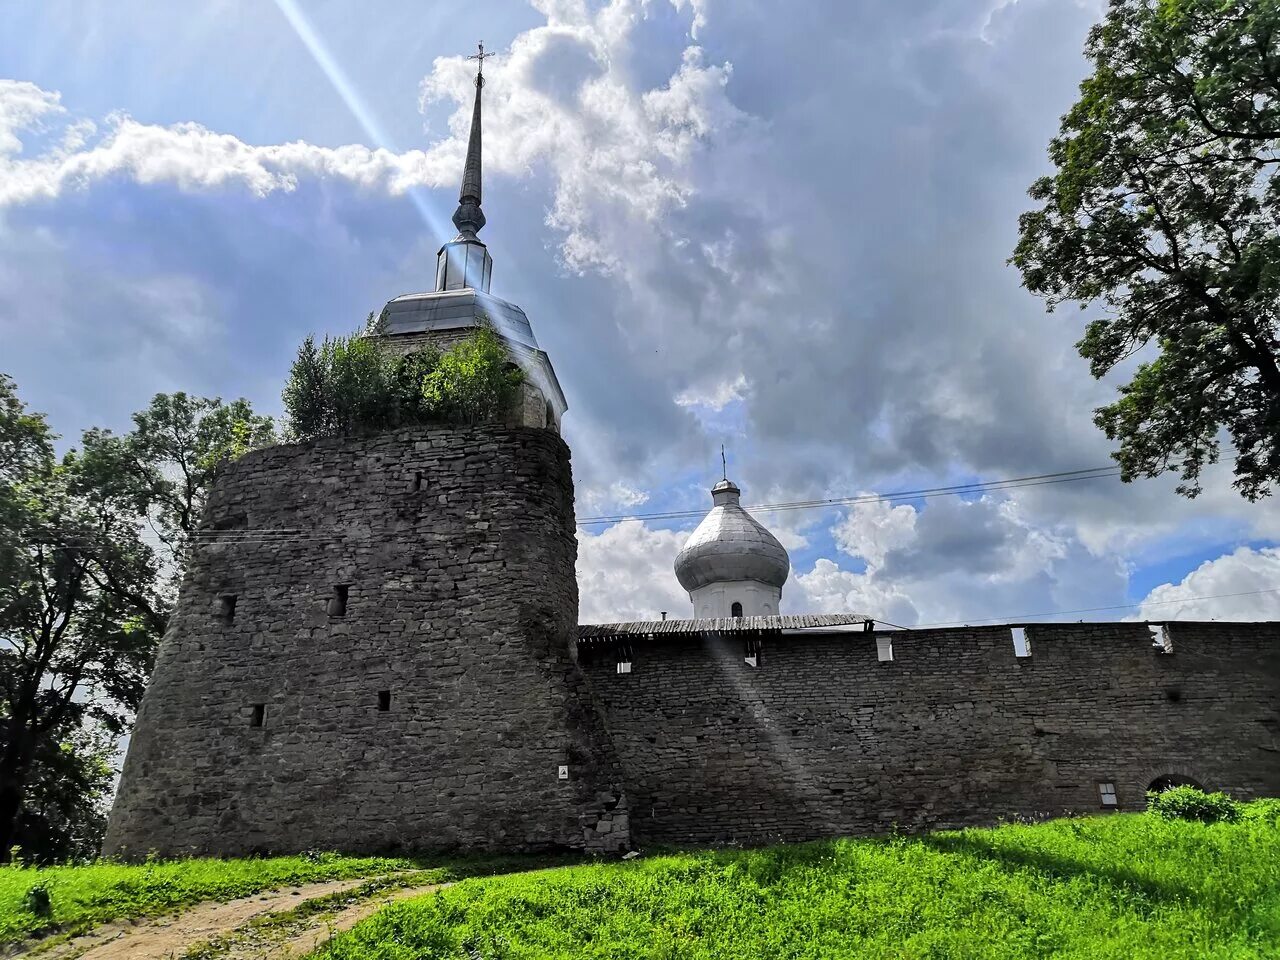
780, 229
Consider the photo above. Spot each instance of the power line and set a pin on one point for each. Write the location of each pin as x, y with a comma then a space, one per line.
977, 486
1014, 618
262, 536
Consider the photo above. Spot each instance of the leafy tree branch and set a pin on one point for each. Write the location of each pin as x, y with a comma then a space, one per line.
1163, 214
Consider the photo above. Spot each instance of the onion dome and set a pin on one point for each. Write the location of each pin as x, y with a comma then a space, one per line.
730, 544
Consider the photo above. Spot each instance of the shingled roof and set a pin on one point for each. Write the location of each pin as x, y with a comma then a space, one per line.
776, 624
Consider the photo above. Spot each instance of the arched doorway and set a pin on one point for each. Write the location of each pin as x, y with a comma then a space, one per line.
1168, 781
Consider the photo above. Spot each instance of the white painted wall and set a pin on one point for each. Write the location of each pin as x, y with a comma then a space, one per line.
717, 599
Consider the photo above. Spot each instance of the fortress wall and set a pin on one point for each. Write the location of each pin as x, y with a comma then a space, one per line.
456, 547
823, 739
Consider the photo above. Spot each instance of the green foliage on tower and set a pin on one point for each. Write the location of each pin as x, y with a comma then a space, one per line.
349, 385
474, 381
1163, 214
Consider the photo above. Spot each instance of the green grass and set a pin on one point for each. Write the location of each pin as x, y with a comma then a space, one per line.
1128, 886
83, 896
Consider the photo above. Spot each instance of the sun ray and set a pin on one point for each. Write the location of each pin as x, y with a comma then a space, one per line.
355, 103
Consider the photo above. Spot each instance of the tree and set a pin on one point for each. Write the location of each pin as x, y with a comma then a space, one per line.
1165, 212
474, 381
65, 803
351, 384
84, 597
306, 394
74, 648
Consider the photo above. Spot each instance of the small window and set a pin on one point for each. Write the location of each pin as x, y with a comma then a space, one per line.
884, 649
751, 652
624, 666
1021, 645
227, 607
417, 481
384, 700
338, 602
1107, 794
735, 610
258, 715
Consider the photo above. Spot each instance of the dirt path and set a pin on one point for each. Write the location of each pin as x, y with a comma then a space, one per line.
169, 937
303, 939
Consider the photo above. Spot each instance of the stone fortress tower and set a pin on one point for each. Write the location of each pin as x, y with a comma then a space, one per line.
731, 565
372, 649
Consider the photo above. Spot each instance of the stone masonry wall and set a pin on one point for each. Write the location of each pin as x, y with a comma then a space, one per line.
434, 712
821, 738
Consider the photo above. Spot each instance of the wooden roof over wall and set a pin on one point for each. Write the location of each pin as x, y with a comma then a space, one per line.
776, 624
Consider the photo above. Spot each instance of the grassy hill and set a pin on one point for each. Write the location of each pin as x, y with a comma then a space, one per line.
1126, 886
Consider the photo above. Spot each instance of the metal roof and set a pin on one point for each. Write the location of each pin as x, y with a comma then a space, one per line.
775, 624
453, 309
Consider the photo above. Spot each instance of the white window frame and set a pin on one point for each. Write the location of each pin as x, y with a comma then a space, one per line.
1107, 795
1021, 643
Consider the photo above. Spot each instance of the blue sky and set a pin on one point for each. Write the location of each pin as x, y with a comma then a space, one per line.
786, 234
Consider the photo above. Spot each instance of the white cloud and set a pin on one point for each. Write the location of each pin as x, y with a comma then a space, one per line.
699, 8
563, 99
715, 397
1246, 571
626, 573
23, 106
829, 589
618, 494
870, 530
186, 155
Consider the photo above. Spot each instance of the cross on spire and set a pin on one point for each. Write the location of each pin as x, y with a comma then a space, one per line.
480, 58
468, 218
724, 464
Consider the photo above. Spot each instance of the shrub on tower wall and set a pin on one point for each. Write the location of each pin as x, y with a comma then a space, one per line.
349, 385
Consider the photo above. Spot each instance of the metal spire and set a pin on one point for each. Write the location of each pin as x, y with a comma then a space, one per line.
724, 464
469, 218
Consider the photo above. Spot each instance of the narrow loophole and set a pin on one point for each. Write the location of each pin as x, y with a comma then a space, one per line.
338, 602
227, 607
